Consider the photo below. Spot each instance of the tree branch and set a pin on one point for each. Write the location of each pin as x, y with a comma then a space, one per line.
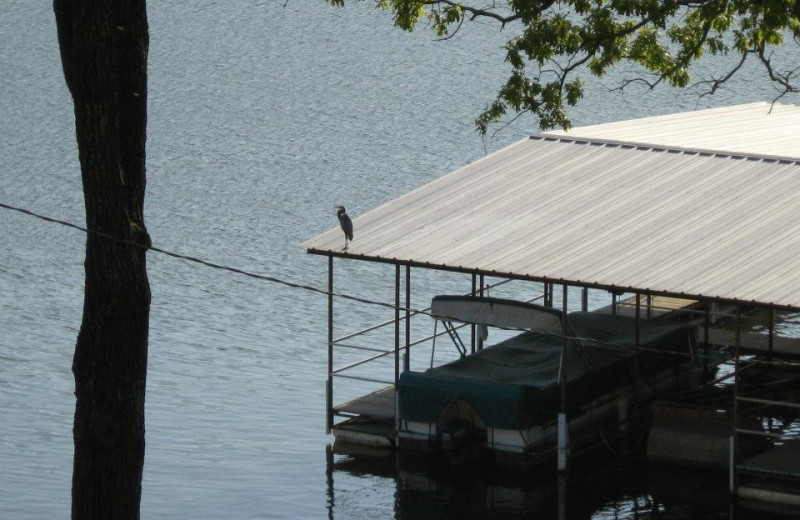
476, 12
716, 83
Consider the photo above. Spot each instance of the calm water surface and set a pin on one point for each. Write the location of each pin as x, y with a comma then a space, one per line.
262, 116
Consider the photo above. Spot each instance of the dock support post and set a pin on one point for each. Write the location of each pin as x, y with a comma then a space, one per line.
771, 333
637, 344
480, 293
563, 442
731, 472
563, 430
407, 358
733, 457
396, 345
472, 326
329, 385
396, 325
706, 328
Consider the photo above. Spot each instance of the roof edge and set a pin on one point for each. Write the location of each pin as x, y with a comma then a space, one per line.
620, 289
545, 136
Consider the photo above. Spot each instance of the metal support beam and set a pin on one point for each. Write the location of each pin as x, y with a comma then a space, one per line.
734, 444
585, 299
472, 339
396, 325
396, 344
456, 339
771, 333
329, 384
637, 343
407, 358
706, 332
563, 424
480, 293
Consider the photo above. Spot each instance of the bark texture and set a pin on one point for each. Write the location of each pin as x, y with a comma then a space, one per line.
104, 48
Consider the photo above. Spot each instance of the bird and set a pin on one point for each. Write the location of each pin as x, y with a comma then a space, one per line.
346, 223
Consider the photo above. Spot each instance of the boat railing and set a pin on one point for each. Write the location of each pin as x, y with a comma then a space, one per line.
412, 313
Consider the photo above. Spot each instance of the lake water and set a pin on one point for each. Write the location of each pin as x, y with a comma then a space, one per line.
262, 116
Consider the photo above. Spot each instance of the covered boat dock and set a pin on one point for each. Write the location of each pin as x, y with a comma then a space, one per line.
694, 215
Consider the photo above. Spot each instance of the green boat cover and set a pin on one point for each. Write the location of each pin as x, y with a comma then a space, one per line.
514, 384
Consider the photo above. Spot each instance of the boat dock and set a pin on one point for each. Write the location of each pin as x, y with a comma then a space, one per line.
649, 212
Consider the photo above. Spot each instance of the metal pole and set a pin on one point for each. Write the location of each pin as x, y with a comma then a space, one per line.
564, 352
649, 306
472, 326
706, 328
396, 325
735, 400
771, 332
638, 342
480, 293
613, 303
585, 299
563, 425
407, 359
329, 385
396, 346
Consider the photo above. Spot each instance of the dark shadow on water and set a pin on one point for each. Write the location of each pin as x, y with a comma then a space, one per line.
597, 487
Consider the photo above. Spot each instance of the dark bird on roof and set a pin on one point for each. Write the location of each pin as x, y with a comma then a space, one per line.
346, 223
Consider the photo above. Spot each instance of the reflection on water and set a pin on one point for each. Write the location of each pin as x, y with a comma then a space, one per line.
601, 488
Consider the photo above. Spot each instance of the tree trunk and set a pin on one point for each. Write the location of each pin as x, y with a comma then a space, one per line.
104, 49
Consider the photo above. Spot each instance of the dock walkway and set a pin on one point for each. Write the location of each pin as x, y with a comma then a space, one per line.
371, 419
782, 460
779, 476
377, 405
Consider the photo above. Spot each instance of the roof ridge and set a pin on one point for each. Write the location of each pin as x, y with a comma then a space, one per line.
544, 136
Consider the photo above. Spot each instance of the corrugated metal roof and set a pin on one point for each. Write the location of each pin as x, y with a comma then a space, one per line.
754, 128
665, 220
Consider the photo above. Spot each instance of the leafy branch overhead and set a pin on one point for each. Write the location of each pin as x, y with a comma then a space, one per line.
554, 43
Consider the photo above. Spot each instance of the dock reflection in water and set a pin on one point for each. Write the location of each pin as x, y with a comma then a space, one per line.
600, 488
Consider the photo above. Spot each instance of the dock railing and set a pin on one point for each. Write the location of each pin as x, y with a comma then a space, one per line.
763, 462
776, 456
401, 352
